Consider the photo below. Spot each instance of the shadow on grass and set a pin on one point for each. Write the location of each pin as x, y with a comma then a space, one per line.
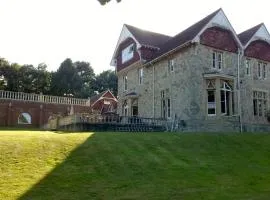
71, 179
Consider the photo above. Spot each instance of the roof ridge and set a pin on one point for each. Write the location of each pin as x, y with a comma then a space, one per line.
186, 35
211, 14
140, 29
246, 35
253, 27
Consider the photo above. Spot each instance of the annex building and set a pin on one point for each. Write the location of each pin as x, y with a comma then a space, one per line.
206, 78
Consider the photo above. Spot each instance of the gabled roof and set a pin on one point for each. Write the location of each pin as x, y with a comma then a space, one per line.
258, 32
148, 38
187, 35
192, 34
247, 35
95, 98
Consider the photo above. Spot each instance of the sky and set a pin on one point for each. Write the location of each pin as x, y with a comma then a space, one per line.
49, 31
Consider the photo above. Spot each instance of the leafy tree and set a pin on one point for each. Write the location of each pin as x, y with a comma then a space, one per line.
27, 78
87, 75
103, 2
43, 79
10, 74
107, 80
66, 81
3, 81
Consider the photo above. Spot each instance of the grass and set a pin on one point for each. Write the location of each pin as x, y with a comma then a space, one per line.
46, 165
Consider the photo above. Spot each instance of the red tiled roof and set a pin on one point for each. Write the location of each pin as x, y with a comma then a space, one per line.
166, 43
245, 36
186, 35
147, 37
93, 99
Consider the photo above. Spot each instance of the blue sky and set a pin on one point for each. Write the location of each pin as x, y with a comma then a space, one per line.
36, 31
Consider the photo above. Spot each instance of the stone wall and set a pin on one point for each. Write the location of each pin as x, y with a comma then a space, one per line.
186, 87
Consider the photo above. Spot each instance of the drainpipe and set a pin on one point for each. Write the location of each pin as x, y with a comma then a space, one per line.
153, 82
239, 95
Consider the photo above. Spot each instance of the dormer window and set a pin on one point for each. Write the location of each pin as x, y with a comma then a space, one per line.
128, 53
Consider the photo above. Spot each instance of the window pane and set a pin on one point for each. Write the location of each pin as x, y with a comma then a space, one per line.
127, 53
260, 107
264, 71
214, 60
255, 111
223, 101
211, 104
24, 118
259, 70
219, 61
169, 107
247, 67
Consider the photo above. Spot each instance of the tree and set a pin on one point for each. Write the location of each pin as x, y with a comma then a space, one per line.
27, 78
43, 79
3, 80
10, 74
107, 80
66, 81
103, 2
87, 75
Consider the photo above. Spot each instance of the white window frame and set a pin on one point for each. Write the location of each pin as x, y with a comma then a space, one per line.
169, 108
260, 98
127, 53
248, 69
264, 71
125, 82
140, 71
211, 86
26, 116
259, 70
171, 65
217, 60
213, 104
225, 88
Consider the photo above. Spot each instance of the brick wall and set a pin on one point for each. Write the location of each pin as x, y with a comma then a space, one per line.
39, 112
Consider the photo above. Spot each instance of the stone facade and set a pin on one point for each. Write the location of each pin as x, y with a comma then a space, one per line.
203, 86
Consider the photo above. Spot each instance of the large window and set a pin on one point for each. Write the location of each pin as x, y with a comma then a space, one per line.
225, 97
217, 60
165, 104
24, 118
127, 53
211, 97
220, 100
259, 103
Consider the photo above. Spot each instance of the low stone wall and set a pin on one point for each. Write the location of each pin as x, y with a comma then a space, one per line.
213, 125
256, 128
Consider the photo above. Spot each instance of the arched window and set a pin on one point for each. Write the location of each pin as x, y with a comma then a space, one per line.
24, 118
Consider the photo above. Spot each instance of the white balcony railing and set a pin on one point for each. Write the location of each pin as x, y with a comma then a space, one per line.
43, 98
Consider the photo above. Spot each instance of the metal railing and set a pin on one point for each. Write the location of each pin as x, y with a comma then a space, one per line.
43, 98
111, 119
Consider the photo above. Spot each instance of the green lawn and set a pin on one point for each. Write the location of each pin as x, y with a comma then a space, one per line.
62, 166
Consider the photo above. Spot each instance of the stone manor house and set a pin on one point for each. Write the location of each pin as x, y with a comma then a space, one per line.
207, 77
